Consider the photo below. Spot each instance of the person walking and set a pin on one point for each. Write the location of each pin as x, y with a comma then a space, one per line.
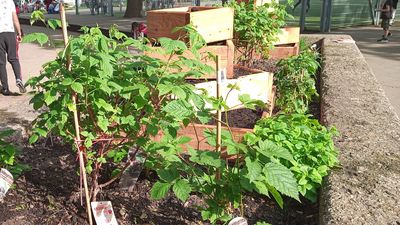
386, 14
9, 41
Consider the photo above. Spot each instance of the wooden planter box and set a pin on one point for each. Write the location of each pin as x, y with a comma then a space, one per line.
288, 35
284, 51
278, 52
251, 84
225, 52
214, 24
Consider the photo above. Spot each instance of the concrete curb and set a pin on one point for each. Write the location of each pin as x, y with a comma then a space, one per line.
365, 190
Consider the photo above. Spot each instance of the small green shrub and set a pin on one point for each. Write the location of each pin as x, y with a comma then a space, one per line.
256, 28
221, 184
8, 154
310, 144
295, 81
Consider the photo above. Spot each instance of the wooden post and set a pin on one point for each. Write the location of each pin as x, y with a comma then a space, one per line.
76, 120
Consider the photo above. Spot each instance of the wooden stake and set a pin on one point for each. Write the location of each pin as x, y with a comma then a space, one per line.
76, 119
219, 113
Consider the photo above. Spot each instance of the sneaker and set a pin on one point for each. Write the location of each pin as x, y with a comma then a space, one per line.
5, 92
383, 40
21, 86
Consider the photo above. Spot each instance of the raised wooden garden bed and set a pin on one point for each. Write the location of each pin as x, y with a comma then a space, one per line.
288, 35
284, 51
225, 52
214, 24
259, 85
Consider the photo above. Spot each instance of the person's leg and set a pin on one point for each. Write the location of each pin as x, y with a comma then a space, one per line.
385, 26
13, 59
3, 61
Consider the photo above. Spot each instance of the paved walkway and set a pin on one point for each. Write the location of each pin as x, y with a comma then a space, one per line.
382, 58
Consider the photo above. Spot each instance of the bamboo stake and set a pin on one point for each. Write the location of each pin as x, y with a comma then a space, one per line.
219, 113
76, 120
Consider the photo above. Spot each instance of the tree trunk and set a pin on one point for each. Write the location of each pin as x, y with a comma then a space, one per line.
133, 8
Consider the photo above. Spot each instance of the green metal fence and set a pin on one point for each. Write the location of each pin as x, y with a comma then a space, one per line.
344, 13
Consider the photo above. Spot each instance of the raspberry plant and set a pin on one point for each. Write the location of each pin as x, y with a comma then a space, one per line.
123, 100
256, 28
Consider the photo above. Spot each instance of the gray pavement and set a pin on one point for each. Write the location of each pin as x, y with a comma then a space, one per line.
382, 58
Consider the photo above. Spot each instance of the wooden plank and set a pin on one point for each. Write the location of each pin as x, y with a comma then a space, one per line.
225, 52
214, 25
288, 35
196, 133
161, 23
284, 51
258, 86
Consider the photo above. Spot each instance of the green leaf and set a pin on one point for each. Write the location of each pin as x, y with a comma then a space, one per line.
269, 149
54, 24
159, 190
168, 175
77, 87
41, 38
178, 108
182, 189
33, 138
103, 123
207, 158
277, 196
183, 140
254, 169
281, 178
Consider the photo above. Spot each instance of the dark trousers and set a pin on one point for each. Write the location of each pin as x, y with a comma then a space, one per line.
8, 52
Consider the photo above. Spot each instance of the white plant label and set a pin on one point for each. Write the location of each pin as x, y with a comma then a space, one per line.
238, 221
104, 213
6, 180
221, 75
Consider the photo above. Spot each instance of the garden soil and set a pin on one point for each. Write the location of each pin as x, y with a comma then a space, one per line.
48, 193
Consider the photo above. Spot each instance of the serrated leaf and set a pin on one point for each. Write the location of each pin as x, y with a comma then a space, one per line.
159, 190
253, 168
281, 178
207, 158
269, 149
168, 175
183, 140
178, 108
182, 190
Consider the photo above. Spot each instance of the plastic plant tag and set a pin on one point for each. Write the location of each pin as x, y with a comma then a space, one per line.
6, 180
238, 221
221, 75
103, 213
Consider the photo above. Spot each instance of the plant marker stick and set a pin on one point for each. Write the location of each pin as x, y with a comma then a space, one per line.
76, 120
219, 117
